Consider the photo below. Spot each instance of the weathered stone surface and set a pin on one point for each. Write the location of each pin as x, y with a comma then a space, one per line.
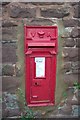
66, 109
19, 10
70, 79
69, 42
5, 3
4, 11
0, 69
79, 23
75, 32
10, 105
10, 84
40, 21
8, 30
55, 12
0, 14
77, 11
7, 37
38, 114
72, 100
74, 3
0, 10
75, 67
77, 42
67, 66
70, 23
75, 110
78, 97
77, 94
48, 3
9, 22
70, 91
13, 112
18, 72
9, 33
67, 32
8, 70
71, 53
9, 53
58, 3
4, 110
0, 53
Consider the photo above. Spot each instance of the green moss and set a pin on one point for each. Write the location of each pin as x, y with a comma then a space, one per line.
77, 85
20, 54
60, 85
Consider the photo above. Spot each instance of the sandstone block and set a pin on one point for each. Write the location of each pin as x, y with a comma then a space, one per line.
5, 3
0, 53
71, 54
70, 22
9, 53
72, 101
48, 3
66, 109
75, 32
0, 70
77, 42
67, 32
68, 42
9, 33
10, 105
10, 84
76, 67
9, 23
55, 12
19, 10
40, 21
70, 79
74, 3
67, 66
77, 11
7, 70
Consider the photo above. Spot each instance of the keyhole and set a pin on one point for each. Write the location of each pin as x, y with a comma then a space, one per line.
36, 83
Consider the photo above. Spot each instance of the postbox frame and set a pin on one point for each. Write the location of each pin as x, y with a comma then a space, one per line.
27, 68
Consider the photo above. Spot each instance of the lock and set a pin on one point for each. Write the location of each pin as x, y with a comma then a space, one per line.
36, 84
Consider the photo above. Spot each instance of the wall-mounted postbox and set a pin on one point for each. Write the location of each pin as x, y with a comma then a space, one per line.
40, 64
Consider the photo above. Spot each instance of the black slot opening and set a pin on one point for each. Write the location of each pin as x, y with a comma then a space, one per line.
40, 46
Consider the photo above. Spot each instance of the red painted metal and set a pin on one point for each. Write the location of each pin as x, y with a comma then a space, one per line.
40, 54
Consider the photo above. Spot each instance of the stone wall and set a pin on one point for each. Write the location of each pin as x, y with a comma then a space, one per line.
14, 14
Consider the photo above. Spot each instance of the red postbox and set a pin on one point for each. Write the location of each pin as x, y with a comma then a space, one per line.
40, 64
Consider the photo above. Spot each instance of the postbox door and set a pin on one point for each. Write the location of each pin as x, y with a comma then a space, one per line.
40, 79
